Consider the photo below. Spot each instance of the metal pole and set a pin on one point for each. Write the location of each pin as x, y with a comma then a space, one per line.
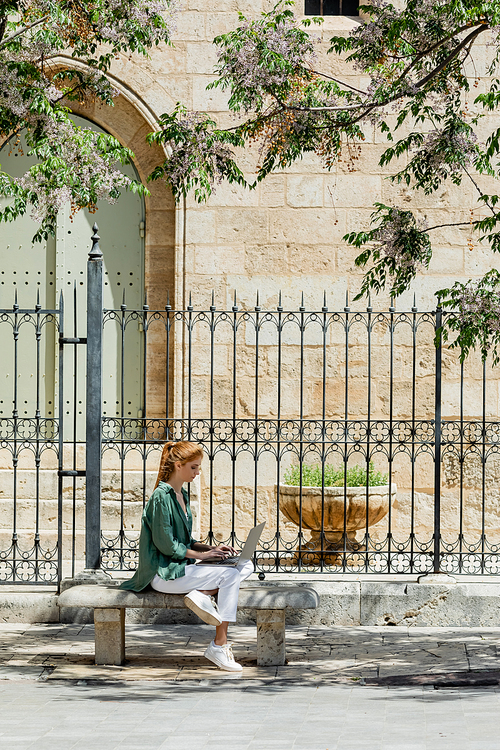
94, 407
437, 445
60, 414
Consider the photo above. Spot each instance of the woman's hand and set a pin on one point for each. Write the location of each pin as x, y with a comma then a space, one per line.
230, 551
204, 552
213, 552
223, 550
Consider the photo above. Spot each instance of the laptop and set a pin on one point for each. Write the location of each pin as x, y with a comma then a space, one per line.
246, 553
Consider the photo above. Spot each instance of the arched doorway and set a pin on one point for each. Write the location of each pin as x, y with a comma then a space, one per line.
41, 271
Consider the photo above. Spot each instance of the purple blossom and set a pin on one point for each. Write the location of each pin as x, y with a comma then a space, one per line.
448, 151
197, 147
384, 61
88, 169
114, 24
15, 97
74, 164
474, 303
250, 66
391, 238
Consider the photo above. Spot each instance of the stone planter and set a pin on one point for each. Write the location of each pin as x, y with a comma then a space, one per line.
354, 508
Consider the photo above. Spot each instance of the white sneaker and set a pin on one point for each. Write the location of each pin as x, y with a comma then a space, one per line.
222, 657
203, 606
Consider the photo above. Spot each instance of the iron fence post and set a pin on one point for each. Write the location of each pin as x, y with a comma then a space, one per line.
437, 444
93, 432
60, 413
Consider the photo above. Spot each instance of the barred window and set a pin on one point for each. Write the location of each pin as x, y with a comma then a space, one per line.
331, 7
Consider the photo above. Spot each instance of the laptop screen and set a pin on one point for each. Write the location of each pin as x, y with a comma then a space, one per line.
252, 541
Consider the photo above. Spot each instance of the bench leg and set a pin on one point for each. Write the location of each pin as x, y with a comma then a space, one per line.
270, 637
109, 636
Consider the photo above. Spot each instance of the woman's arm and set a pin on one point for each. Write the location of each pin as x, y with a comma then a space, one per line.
163, 528
200, 551
163, 535
200, 547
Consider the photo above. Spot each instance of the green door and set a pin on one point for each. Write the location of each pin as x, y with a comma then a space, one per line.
59, 265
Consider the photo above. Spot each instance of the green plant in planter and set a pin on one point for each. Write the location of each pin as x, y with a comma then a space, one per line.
312, 476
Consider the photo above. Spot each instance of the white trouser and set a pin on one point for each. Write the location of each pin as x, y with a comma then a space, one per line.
207, 577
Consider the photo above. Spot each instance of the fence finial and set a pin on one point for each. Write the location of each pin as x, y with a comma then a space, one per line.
392, 307
257, 305
124, 306
235, 306
212, 307
302, 308
369, 308
190, 303
347, 308
414, 308
15, 300
145, 305
95, 252
325, 306
38, 305
280, 306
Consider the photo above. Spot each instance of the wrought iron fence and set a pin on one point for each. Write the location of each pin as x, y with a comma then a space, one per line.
363, 446
271, 393
41, 467
29, 436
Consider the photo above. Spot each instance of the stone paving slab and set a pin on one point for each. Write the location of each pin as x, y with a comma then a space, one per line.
175, 653
245, 715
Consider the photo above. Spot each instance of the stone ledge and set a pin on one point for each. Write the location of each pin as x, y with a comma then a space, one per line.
430, 604
345, 603
28, 607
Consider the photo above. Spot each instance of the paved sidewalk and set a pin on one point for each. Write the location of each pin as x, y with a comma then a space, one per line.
343, 689
245, 716
390, 655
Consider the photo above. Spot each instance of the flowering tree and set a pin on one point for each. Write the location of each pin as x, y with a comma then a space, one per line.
415, 59
39, 40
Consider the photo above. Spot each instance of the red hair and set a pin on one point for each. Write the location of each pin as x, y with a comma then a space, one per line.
182, 451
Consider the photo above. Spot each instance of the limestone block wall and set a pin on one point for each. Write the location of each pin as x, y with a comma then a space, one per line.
285, 235
290, 228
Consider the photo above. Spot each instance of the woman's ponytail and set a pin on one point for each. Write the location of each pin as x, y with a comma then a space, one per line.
173, 452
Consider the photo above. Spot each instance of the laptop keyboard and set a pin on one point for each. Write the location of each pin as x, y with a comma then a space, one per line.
226, 561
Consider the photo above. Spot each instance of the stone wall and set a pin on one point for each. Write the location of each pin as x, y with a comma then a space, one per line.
290, 228
285, 235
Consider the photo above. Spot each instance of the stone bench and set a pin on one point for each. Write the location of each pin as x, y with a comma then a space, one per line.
109, 604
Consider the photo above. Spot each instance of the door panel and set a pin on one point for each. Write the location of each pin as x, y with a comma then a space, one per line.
60, 265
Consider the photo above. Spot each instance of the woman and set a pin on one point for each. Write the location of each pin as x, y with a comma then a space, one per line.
167, 553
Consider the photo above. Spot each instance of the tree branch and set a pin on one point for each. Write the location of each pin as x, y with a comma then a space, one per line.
431, 49
345, 108
22, 31
341, 83
480, 191
3, 26
452, 224
468, 40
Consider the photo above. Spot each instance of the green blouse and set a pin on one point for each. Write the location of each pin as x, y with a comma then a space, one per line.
165, 537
